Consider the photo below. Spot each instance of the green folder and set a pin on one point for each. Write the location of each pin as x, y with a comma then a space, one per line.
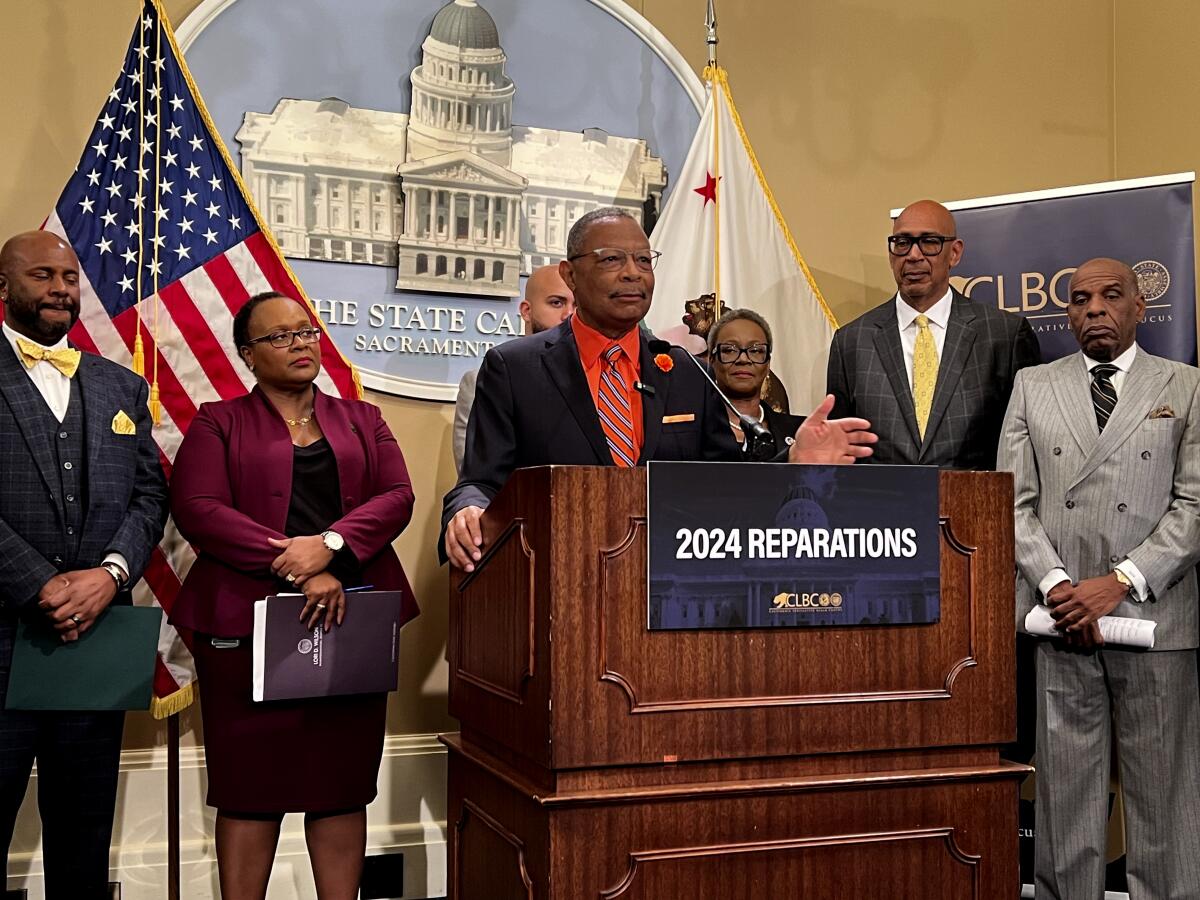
111, 666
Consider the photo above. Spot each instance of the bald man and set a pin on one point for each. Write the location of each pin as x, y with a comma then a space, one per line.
930, 369
83, 503
1104, 447
547, 302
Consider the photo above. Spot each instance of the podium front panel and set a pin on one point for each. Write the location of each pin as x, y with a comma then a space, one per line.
551, 657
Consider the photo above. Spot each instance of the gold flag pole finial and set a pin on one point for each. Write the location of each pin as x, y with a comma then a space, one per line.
710, 22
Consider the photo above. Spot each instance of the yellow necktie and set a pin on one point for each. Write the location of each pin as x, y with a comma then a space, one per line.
65, 360
925, 369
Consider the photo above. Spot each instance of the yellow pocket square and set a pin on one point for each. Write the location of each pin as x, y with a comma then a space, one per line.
122, 424
682, 417
1162, 412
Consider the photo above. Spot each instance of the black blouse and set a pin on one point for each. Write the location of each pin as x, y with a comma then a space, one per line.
316, 504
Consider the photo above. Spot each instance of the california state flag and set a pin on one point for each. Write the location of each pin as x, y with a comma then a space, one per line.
722, 231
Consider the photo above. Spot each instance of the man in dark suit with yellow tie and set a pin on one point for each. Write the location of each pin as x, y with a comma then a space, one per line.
83, 503
591, 392
930, 369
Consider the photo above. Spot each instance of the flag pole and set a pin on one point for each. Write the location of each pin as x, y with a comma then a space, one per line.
710, 22
173, 867
711, 75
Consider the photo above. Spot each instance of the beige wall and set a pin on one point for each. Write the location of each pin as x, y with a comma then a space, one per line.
853, 108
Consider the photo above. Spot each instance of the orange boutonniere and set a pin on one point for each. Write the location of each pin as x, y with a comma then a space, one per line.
664, 362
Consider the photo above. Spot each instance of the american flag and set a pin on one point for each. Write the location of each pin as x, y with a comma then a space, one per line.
170, 245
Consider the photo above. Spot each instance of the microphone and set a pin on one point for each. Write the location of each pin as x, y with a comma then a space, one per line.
760, 443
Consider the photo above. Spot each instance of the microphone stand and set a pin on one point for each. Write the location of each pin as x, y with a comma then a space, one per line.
760, 443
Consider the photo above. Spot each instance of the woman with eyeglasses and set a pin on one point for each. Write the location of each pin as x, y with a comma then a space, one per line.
286, 489
739, 351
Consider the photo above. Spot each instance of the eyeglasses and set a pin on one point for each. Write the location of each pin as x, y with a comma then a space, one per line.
281, 340
609, 259
756, 354
930, 244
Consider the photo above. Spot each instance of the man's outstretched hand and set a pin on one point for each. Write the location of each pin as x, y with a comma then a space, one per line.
821, 441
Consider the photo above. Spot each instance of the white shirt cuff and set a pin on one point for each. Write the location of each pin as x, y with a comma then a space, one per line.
119, 560
1139, 591
1053, 577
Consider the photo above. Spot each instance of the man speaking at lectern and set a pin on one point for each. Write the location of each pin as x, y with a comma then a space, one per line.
1103, 449
591, 392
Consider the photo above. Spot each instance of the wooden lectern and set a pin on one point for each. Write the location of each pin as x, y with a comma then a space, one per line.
600, 760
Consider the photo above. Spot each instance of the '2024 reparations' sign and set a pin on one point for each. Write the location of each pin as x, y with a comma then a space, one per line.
748, 545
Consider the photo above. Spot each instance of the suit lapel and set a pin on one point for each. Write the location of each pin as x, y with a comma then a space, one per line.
1143, 383
561, 360
956, 354
341, 433
97, 410
891, 355
28, 408
1074, 398
654, 406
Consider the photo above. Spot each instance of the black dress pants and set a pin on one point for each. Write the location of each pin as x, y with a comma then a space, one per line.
78, 755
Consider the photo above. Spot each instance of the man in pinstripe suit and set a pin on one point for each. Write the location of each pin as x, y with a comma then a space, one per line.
975, 351
1103, 446
82, 505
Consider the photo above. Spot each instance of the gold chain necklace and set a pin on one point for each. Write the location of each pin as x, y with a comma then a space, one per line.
300, 422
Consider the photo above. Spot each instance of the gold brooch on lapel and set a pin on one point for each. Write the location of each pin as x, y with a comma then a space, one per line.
122, 424
680, 417
1161, 412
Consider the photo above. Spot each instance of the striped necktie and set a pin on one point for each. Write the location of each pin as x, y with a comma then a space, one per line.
1104, 395
616, 413
925, 372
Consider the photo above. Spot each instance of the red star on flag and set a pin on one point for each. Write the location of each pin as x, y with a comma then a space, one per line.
709, 191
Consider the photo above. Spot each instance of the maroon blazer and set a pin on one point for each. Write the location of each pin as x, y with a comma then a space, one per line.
231, 488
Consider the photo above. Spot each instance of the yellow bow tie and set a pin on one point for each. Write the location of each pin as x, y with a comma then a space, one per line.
65, 360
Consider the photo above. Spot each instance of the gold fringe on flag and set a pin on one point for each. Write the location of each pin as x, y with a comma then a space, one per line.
165, 707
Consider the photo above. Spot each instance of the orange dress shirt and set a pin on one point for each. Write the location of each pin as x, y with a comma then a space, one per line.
591, 345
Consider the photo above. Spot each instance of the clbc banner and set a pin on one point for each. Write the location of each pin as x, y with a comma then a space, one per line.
1020, 252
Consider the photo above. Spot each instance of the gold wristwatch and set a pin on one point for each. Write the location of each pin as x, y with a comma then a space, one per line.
1124, 580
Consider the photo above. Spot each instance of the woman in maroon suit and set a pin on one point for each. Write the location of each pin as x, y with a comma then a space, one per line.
286, 489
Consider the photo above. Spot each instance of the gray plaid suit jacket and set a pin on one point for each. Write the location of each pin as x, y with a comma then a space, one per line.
983, 351
1085, 501
126, 490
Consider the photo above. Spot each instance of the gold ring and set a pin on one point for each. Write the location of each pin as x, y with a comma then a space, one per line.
320, 606
289, 578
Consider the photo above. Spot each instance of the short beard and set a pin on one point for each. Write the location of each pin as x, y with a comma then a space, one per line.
33, 325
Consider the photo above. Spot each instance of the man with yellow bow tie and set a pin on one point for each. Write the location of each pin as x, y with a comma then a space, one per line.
83, 503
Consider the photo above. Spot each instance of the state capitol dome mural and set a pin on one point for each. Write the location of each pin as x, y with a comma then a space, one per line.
452, 194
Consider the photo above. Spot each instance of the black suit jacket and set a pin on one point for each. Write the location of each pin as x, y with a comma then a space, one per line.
533, 407
126, 490
984, 349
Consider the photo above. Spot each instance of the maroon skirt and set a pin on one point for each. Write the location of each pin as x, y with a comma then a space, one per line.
282, 756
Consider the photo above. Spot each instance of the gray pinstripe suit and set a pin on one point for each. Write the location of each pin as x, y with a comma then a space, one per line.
1084, 502
984, 348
